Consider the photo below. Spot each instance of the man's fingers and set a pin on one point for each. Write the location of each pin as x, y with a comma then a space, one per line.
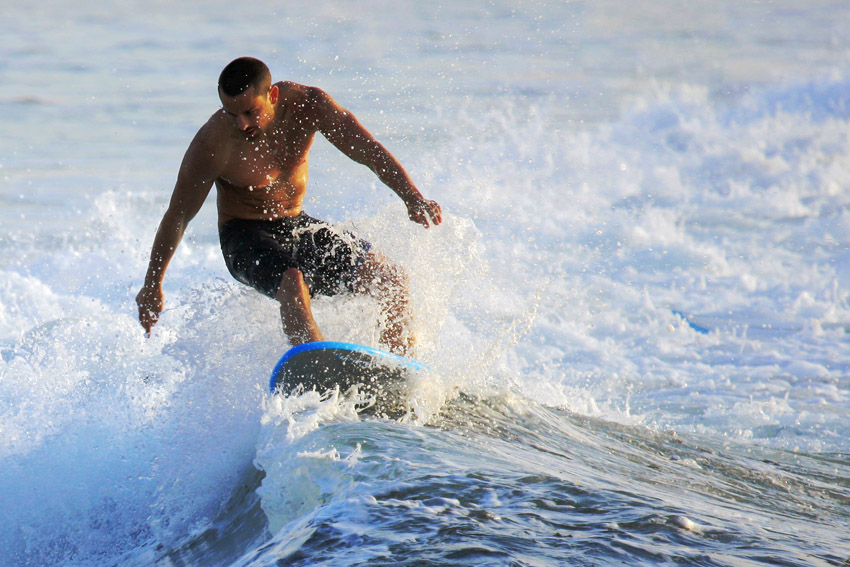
433, 213
436, 213
427, 213
150, 306
148, 318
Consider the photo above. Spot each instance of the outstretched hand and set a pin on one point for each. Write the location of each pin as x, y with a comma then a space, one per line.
425, 212
150, 302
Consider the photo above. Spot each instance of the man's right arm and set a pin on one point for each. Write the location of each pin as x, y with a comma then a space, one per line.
194, 181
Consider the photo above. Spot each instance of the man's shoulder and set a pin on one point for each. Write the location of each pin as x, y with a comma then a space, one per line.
214, 131
291, 92
211, 144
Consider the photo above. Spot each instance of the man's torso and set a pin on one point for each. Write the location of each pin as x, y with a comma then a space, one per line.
264, 178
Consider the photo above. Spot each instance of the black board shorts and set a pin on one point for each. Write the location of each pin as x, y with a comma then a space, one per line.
257, 253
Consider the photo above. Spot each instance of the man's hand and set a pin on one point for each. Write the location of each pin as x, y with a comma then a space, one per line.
425, 212
150, 301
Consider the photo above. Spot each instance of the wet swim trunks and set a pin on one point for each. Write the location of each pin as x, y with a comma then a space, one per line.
257, 253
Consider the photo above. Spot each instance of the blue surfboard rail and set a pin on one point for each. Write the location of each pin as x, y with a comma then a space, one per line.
691, 324
351, 347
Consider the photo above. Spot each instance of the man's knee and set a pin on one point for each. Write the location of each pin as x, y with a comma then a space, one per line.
295, 312
292, 284
400, 280
381, 275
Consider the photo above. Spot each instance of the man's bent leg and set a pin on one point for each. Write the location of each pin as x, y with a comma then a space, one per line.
389, 283
295, 311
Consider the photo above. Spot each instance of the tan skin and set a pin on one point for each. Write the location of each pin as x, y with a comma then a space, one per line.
255, 151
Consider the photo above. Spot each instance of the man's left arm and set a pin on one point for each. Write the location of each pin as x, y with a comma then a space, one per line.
343, 130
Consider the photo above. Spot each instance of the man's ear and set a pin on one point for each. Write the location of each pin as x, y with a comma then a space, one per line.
274, 94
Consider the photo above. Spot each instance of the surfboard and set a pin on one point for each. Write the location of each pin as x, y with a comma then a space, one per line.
689, 320
379, 379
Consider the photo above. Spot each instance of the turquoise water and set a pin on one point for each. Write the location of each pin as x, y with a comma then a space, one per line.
636, 310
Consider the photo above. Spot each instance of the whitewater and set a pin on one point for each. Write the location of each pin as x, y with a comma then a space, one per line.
635, 313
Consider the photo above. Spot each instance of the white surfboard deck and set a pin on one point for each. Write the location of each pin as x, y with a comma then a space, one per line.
379, 378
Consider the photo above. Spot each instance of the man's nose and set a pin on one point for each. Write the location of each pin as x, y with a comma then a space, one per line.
242, 122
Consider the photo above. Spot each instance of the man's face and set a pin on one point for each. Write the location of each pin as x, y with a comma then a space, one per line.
251, 113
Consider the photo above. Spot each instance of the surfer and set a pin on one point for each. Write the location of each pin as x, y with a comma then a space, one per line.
255, 150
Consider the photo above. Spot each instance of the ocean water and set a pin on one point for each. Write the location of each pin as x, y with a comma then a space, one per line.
636, 311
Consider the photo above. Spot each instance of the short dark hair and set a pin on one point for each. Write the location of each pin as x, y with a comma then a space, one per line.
242, 73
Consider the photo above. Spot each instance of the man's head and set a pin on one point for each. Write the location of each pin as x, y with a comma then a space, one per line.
242, 73
247, 95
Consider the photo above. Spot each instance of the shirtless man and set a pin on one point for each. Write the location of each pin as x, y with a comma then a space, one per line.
255, 150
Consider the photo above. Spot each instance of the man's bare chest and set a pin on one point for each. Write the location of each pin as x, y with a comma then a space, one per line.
259, 163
